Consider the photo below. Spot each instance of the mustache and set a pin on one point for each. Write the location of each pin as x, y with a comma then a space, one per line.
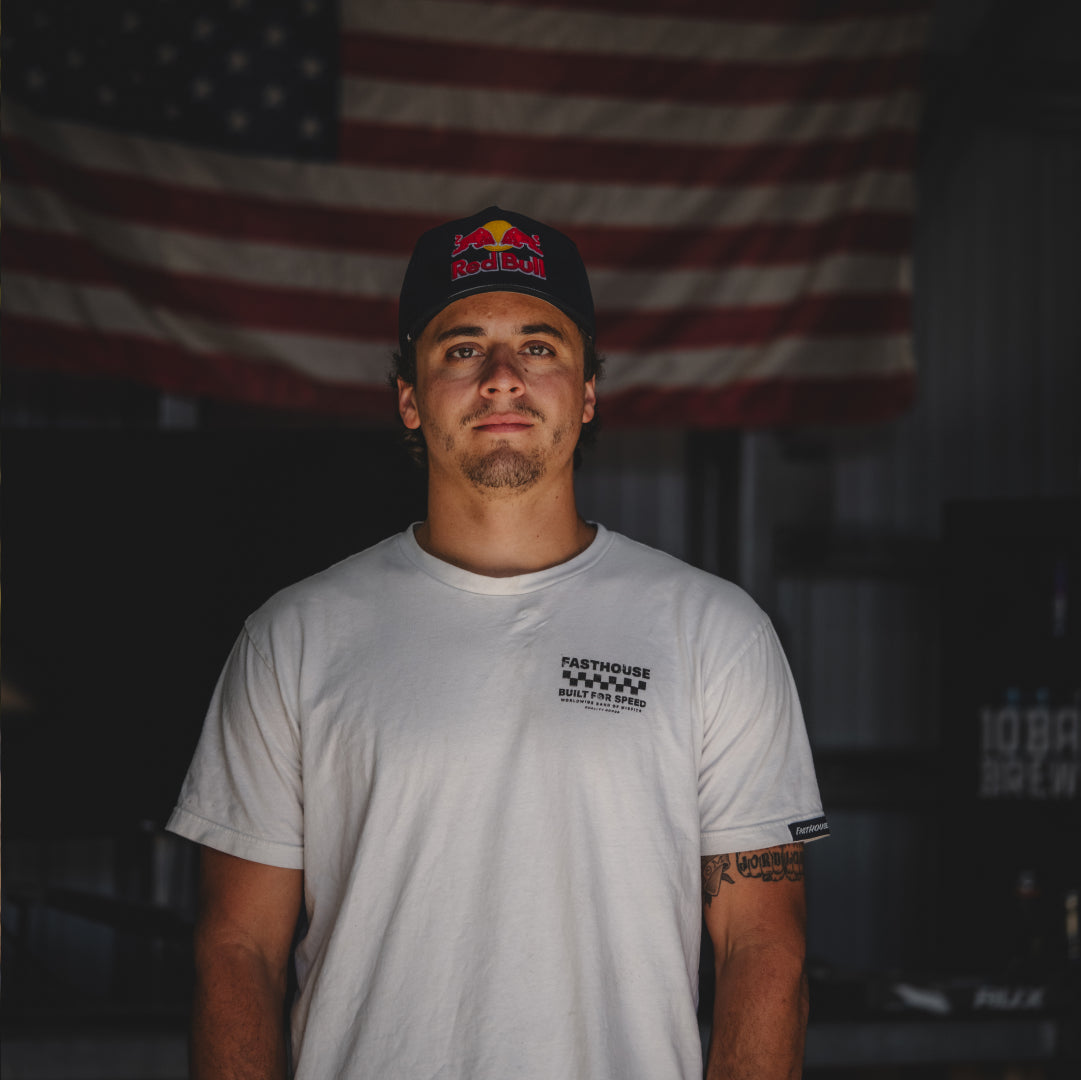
490, 410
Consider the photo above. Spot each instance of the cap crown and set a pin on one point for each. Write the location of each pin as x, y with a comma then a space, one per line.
494, 250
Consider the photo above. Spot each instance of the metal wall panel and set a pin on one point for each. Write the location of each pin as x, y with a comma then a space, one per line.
864, 654
998, 335
634, 481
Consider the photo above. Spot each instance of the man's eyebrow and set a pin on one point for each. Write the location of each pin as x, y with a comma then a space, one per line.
542, 328
460, 331
479, 331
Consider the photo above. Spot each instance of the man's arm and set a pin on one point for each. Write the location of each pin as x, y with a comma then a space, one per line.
755, 913
247, 916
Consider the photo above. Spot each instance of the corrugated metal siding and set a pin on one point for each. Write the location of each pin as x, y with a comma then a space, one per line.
998, 335
864, 655
634, 481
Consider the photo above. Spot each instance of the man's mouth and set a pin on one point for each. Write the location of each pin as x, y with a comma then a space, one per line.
505, 423
502, 423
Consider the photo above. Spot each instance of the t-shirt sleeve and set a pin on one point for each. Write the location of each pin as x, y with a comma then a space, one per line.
757, 785
243, 793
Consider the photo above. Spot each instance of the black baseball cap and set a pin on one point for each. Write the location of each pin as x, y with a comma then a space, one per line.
494, 250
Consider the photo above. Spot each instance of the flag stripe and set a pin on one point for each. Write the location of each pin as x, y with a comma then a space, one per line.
107, 310
819, 358
33, 209
176, 368
35, 214
808, 14
656, 124
707, 32
702, 81
765, 403
617, 161
309, 311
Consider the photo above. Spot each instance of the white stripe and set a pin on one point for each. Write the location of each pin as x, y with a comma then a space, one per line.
599, 118
365, 363
810, 358
450, 195
570, 203
113, 311
274, 265
740, 286
483, 27
380, 276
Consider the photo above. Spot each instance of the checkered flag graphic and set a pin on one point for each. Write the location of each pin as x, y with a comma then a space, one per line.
597, 681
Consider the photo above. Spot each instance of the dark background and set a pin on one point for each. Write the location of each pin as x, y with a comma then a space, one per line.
131, 559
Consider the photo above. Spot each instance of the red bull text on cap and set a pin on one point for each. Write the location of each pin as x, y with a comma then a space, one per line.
498, 238
493, 251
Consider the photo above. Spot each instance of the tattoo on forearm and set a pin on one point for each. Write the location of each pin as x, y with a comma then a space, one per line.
774, 864
714, 871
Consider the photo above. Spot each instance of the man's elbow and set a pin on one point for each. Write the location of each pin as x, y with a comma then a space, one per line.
228, 962
777, 969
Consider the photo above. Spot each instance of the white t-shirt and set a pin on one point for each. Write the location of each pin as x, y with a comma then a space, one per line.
499, 790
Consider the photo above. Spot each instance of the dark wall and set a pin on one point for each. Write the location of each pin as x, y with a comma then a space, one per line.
130, 560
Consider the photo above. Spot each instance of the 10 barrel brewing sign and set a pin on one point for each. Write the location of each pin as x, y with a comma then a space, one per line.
1030, 751
1012, 738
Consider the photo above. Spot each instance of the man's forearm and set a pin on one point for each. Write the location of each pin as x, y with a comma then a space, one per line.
759, 1017
237, 1029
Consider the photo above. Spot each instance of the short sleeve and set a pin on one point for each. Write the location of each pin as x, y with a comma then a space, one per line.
243, 793
757, 785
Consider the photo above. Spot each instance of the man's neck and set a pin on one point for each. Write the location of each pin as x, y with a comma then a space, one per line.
504, 535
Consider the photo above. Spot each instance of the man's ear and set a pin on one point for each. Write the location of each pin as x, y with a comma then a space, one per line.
590, 406
407, 404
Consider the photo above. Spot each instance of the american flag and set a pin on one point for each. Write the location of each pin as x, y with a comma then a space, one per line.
219, 198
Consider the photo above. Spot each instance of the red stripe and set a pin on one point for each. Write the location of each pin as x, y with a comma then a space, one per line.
32, 344
415, 60
844, 315
247, 217
267, 307
538, 157
755, 11
73, 259
763, 403
693, 247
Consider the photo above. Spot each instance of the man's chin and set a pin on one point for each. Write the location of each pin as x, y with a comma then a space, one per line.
503, 469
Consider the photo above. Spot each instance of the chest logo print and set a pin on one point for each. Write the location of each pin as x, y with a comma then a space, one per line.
607, 685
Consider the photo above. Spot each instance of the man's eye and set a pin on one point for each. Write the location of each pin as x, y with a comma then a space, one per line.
463, 352
535, 348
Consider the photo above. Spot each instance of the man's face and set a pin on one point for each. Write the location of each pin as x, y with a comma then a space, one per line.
500, 394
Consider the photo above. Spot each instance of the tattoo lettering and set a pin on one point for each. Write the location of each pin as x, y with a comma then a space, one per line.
773, 864
714, 871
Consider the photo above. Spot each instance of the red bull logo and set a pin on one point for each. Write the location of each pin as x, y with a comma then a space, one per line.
505, 243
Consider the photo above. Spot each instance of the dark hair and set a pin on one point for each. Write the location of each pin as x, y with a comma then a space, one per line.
405, 368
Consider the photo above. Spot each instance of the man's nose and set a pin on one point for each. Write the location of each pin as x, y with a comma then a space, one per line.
502, 373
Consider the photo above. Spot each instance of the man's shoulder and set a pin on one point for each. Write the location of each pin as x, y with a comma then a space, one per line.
341, 585
653, 581
631, 557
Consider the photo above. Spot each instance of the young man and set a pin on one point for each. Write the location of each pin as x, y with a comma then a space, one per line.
500, 759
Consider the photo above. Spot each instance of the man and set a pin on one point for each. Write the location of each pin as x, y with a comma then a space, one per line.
500, 759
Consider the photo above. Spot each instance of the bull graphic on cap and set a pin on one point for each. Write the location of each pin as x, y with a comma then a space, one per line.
496, 236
